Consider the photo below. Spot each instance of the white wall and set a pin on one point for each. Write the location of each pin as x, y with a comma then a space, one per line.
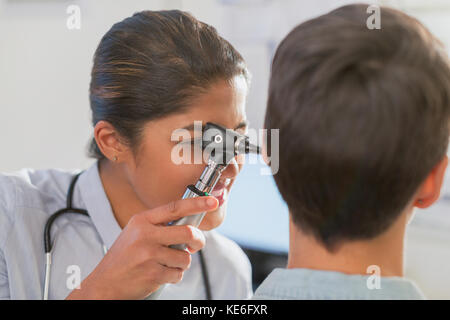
44, 78
45, 74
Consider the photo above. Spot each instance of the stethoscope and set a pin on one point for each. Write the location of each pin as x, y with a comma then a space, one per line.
70, 209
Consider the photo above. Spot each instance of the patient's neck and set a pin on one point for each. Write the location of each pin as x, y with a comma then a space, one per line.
385, 251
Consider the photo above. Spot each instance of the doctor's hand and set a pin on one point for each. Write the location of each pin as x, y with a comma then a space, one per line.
140, 260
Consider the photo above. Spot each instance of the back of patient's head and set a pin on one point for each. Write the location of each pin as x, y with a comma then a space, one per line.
364, 118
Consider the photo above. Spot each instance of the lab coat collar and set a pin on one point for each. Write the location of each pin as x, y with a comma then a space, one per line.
98, 205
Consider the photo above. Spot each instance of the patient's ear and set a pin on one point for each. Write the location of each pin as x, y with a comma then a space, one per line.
430, 190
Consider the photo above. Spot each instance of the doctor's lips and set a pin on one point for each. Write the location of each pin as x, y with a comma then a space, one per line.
219, 190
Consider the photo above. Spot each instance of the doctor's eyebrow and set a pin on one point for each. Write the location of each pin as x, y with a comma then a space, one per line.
241, 125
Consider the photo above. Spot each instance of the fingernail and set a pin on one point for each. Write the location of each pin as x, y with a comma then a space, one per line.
211, 202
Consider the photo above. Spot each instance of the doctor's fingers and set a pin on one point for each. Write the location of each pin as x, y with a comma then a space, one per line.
173, 258
180, 208
187, 234
161, 274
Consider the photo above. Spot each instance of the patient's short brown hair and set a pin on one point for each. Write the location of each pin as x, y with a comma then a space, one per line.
363, 116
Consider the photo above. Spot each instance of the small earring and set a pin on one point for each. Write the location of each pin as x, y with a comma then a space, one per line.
115, 158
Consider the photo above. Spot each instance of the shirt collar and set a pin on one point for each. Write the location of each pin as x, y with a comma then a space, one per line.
98, 205
319, 284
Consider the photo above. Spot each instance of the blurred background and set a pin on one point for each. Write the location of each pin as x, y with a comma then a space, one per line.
45, 117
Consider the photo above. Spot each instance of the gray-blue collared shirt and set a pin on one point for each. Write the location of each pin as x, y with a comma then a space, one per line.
27, 199
308, 284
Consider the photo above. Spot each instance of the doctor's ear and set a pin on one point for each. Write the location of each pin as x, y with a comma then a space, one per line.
109, 141
430, 190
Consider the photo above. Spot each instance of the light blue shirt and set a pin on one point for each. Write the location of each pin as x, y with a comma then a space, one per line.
308, 284
28, 198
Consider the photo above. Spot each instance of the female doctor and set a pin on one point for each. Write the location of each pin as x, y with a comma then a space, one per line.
153, 73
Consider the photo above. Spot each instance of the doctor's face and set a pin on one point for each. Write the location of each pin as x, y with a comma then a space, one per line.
155, 177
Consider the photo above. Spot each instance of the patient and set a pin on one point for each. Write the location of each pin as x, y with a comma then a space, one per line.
364, 119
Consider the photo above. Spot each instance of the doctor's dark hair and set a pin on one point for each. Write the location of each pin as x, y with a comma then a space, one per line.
364, 117
150, 65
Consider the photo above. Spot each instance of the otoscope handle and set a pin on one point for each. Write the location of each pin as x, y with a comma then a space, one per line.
205, 184
195, 220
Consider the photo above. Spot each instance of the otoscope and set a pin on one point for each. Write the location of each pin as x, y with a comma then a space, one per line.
222, 145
